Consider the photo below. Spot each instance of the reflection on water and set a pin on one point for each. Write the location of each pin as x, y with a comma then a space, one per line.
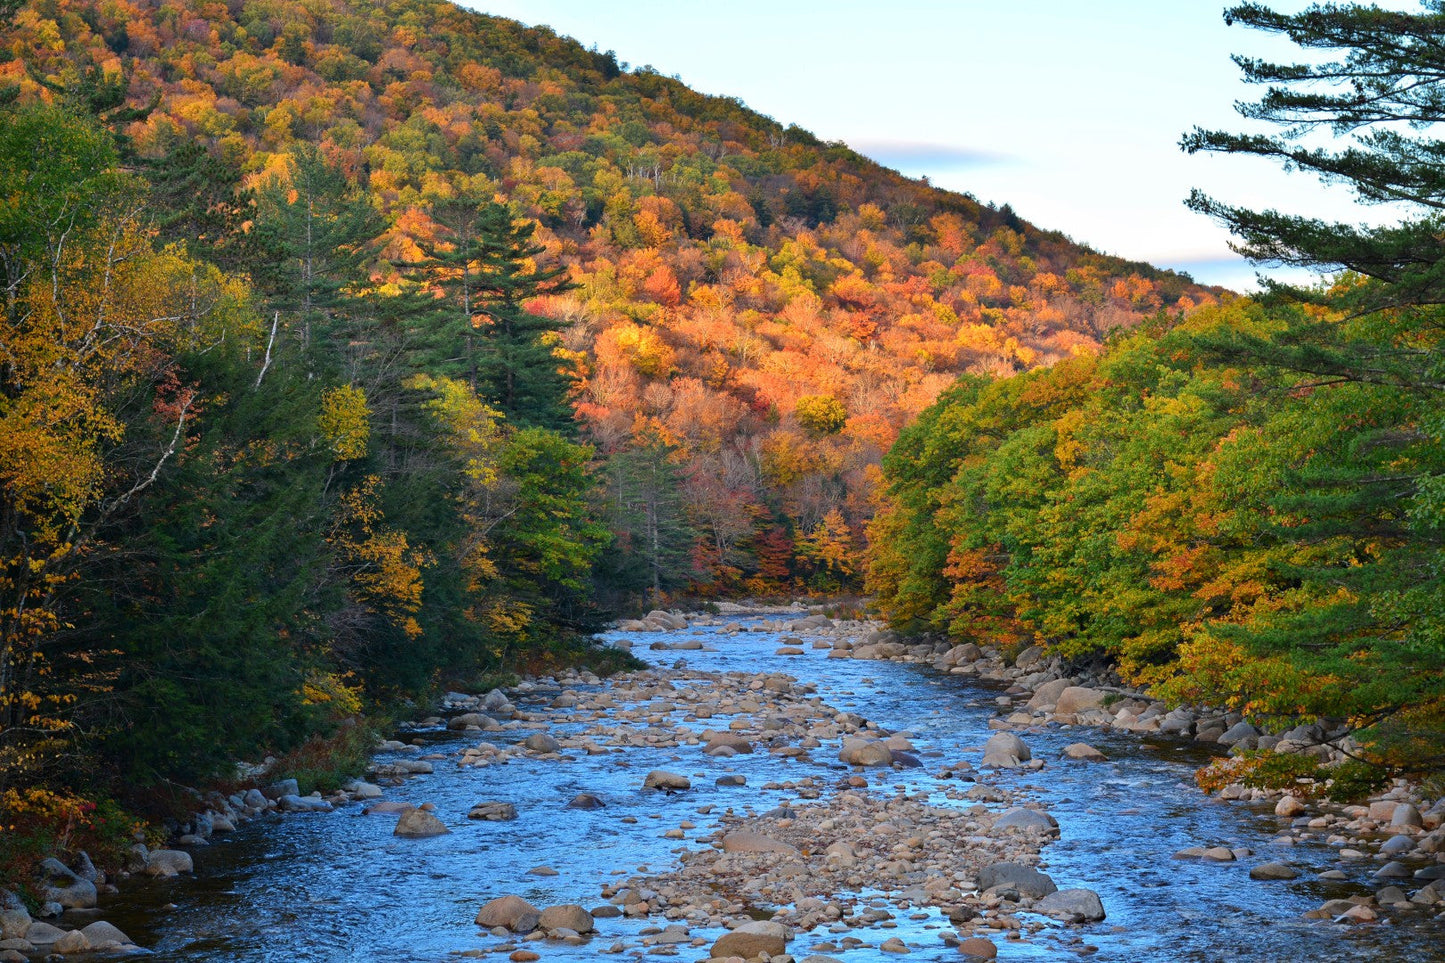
338, 886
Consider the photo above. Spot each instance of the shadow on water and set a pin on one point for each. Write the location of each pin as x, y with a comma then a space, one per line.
339, 886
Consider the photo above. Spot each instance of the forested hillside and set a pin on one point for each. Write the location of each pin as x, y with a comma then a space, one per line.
355, 349
1246, 510
755, 314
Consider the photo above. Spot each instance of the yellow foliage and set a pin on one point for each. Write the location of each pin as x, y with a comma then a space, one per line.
331, 690
344, 421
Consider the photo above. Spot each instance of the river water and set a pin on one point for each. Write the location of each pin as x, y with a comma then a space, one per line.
339, 886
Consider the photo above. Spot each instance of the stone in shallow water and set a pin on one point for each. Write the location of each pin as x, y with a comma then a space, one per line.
667, 781
752, 939
1273, 871
1073, 905
417, 823
511, 913
569, 916
493, 811
1025, 879
1026, 820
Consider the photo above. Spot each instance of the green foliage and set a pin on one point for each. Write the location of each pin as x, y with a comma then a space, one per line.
1354, 780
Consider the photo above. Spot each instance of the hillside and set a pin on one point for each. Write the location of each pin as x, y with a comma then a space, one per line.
756, 314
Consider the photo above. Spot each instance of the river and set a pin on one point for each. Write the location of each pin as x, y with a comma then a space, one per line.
339, 886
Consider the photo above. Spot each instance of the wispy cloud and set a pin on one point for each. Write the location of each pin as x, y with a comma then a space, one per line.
908, 156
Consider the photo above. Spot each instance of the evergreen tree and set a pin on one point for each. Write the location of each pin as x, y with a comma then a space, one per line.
310, 244
485, 262
646, 505
1386, 90
1363, 502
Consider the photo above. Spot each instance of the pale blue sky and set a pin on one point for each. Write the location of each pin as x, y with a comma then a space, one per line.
1070, 110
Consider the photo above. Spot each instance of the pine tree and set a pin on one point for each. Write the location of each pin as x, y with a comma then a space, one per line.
1363, 505
485, 262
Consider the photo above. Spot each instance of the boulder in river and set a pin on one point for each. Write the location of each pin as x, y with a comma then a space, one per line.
14, 917
541, 742
668, 781
569, 916
586, 800
752, 940
1025, 820
865, 752
1072, 905
1084, 751
103, 935
1076, 699
1289, 807
417, 823
72, 942
60, 885
1273, 871
1048, 693
978, 948
493, 811
510, 912
1005, 750
168, 862
1026, 880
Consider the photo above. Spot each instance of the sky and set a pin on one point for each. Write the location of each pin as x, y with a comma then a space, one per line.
1070, 111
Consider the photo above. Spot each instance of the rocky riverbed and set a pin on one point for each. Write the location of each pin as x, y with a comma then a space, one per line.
782, 784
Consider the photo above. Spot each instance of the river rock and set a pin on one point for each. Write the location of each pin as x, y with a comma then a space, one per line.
1076, 699
474, 720
285, 787
1029, 657
73, 942
1048, 693
1073, 905
746, 842
865, 752
60, 885
1005, 750
1238, 733
43, 934
752, 939
541, 742
511, 913
417, 823
1405, 816
569, 916
978, 948
586, 800
292, 803
1026, 820
103, 935
1289, 807
1084, 751
667, 781
726, 739
14, 917
1273, 871
493, 811
1396, 845
1025, 879
168, 862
